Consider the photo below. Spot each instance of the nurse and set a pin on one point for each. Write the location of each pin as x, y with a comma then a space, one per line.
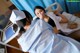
39, 37
22, 19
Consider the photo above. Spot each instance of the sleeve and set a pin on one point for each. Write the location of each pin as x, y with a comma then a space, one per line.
58, 18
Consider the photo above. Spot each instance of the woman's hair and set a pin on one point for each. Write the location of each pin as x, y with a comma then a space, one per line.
39, 7
25, 21
28, 18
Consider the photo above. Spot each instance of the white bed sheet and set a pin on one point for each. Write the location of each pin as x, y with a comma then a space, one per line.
73, 18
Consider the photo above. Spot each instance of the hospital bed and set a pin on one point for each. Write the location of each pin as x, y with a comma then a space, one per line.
70, 17
9, 33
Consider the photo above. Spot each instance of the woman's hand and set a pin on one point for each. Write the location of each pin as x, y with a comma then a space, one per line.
64, 19
41, 15
55, 30
56, 12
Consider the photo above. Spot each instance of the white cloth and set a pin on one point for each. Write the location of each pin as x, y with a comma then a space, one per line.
55, 18
39, 38
72, 18
63, 27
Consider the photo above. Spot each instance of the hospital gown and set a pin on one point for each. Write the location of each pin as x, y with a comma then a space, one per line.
61, 26
40, 38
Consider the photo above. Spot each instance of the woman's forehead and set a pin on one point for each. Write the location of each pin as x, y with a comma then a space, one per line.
38, 10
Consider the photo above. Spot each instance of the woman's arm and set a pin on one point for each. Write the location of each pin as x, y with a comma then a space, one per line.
64, 19
55, 30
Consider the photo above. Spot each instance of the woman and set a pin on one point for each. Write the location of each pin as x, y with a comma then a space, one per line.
40, 38
41, 13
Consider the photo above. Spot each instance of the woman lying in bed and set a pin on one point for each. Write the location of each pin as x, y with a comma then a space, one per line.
49, 17
38, 37
54, 18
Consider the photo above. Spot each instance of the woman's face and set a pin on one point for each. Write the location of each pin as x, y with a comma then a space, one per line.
39, 13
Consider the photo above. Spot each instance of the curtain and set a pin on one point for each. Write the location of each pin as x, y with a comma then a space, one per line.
67, 5
71, 6
30, 4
